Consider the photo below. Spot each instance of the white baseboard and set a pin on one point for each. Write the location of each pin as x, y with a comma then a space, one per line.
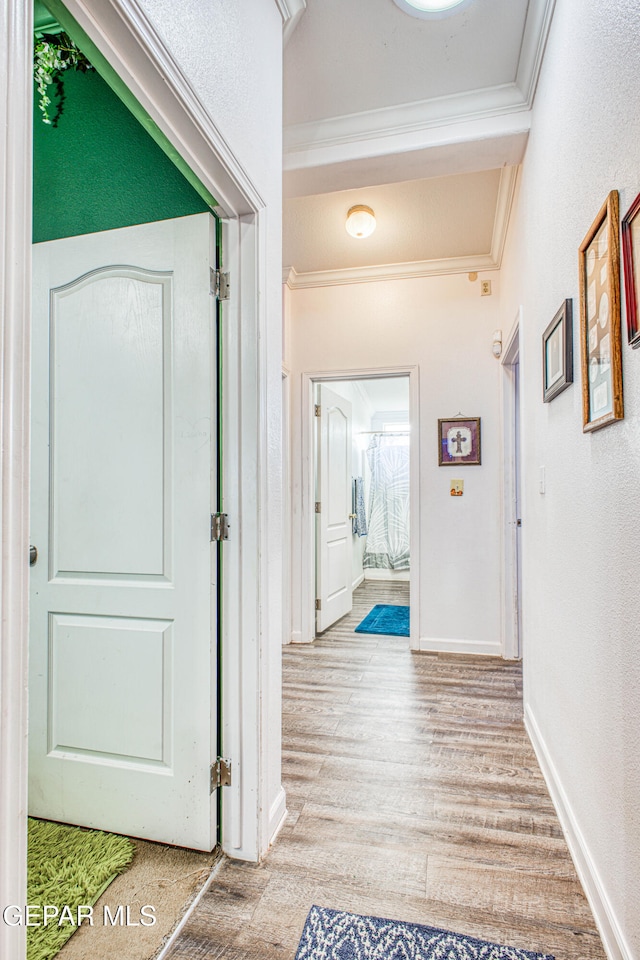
356, 583
277, 815
608, 926
447, 645
296, 636
374, 573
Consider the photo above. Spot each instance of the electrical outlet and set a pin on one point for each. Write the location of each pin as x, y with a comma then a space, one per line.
485, 288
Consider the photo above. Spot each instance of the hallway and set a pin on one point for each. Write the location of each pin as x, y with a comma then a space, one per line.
413, 793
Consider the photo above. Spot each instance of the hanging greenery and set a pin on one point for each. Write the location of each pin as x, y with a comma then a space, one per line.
54, 53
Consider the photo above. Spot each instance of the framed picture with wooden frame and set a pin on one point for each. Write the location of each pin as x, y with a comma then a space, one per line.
459, 442
631, 258
600, 338
557, 353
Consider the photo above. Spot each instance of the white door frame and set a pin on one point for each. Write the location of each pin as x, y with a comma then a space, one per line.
511, 592
286, 505
307, 513
127, 38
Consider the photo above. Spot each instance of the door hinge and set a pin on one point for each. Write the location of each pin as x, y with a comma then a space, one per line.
318, 507
317, 410
318, 604
220, 284
220, 774
219, 526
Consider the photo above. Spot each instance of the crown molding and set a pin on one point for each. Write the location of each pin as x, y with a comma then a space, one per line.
314, 138
421, 268
504, 205
389, 271
291, 11
534, 41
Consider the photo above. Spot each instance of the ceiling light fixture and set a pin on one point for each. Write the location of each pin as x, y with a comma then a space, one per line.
428, 9
361, 222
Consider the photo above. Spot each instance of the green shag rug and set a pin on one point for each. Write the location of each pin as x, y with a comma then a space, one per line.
67, 867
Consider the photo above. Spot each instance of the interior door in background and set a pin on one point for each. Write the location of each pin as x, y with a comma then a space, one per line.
122, 727
334, 540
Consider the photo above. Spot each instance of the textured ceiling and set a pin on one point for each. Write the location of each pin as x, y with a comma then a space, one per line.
416, 220
347, 56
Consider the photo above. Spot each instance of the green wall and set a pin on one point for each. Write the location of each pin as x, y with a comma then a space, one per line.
99, 169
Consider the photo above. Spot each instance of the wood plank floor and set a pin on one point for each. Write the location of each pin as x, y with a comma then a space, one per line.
413, 793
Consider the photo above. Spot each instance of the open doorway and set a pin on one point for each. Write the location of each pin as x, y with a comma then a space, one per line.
363, 532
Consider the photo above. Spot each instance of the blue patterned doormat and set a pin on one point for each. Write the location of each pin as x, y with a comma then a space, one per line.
385, 618
335, 935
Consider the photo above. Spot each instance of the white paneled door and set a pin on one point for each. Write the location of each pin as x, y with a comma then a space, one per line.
334, 540
122, 727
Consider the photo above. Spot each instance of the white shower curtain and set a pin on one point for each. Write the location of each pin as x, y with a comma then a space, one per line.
388, 537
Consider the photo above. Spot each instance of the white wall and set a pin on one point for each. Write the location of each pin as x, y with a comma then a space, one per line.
581, 540
443, 325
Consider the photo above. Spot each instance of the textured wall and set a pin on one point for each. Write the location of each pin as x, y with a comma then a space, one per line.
445, 326
581, 540
98, 169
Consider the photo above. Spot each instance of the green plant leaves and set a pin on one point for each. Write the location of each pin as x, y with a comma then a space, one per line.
53, 54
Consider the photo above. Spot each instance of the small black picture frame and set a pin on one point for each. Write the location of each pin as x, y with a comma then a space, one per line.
557, 353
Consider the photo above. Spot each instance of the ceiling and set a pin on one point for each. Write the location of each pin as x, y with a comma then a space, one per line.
380, 394
423, 120
387, 394
357, 55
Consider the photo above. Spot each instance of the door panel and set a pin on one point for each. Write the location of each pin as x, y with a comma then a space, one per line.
98, 418
124, 716
334, 540
123, 614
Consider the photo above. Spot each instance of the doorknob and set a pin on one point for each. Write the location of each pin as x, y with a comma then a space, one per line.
352, 516
33, 555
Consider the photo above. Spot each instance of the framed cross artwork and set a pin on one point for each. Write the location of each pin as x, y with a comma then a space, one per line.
459, 442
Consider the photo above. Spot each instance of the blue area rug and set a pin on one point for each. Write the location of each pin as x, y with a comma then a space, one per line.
385, 618
335, 935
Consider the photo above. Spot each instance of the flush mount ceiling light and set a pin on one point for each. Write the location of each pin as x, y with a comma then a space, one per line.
429, 9
361, 222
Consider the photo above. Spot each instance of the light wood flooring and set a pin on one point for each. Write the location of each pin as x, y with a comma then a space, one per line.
413, 793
